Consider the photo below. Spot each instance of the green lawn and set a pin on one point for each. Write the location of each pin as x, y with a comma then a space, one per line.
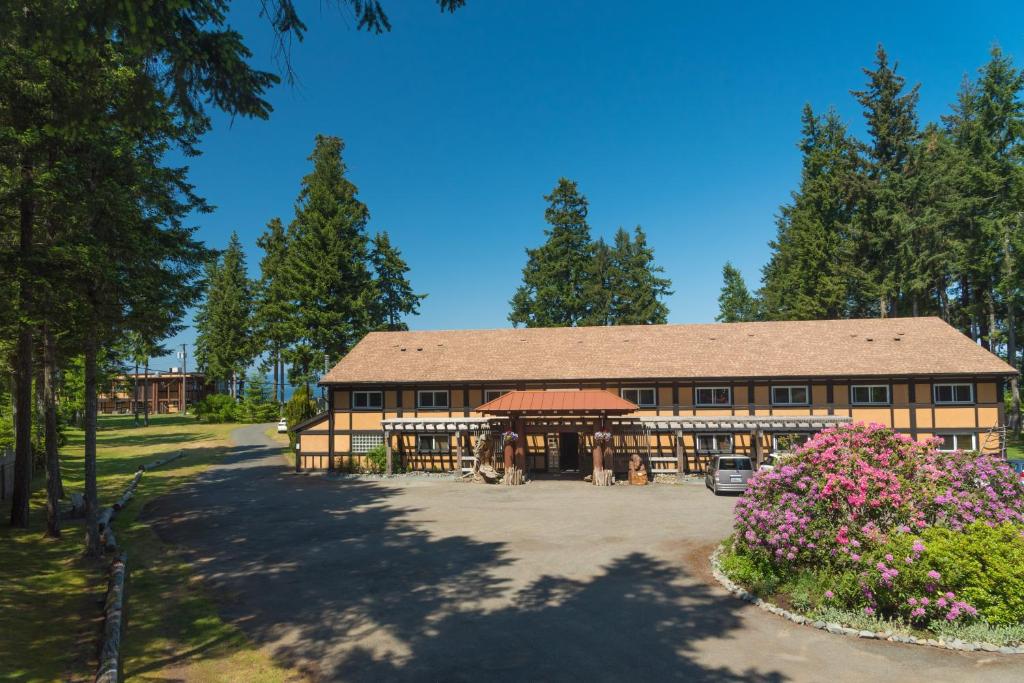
50, 606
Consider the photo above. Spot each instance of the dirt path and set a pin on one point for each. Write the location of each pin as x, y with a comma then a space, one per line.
435, 580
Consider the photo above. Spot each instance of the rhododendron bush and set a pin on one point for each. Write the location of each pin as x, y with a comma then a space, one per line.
857, 504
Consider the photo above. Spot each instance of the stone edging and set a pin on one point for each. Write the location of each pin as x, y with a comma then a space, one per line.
839, 629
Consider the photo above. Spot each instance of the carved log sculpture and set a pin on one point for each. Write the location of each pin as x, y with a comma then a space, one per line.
514, 457
483, 461
637, 471
602, 455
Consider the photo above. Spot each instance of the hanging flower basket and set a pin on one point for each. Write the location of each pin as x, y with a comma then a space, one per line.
509, 437
602, 437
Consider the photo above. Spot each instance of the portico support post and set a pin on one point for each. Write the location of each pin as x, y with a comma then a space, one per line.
681, 466
389, 467
458, 451
330, 430
755, 437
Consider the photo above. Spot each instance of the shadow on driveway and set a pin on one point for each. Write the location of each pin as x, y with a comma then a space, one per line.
341, 582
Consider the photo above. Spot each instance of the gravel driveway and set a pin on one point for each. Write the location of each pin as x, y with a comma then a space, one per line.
420, 579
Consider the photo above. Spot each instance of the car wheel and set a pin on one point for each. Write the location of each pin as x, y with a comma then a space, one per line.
715, 490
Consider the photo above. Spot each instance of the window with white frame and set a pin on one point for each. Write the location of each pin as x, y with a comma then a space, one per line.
491, 394
367, 400
644, 397
714, 443
954, 393
364, 443
714, 396
433, 443
959, 441
431, 398
785, 443
795, 395
869, 394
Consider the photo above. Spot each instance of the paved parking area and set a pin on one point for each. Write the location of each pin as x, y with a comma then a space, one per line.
417, 579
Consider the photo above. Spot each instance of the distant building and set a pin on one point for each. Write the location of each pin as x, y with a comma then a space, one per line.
163, 393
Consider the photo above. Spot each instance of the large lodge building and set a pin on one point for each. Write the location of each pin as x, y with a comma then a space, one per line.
677, 394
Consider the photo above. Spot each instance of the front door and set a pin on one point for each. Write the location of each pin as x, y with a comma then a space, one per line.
569, 451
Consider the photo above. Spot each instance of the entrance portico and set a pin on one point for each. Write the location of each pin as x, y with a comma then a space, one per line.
548, 422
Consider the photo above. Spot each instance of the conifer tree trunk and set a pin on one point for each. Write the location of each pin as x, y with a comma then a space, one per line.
135, 394
54, 486
23, 366
145, 389
92, 535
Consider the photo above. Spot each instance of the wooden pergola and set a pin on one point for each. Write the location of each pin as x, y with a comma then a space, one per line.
756, 425
524, 412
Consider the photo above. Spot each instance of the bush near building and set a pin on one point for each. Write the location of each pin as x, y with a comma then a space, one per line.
866, 521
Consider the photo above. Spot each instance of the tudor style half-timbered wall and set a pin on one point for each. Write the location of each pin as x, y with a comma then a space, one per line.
961, 410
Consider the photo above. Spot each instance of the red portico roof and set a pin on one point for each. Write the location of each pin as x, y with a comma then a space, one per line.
587, 401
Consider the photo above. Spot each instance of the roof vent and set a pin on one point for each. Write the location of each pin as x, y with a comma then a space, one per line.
896, 339
402, 349
419, 348
869, 339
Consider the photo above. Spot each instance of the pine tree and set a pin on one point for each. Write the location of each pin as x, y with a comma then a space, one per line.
636, 285
395, 297
882, 224
599, 292
327, 263
735, 304
275, 314
557, 274
224, 324
810, 274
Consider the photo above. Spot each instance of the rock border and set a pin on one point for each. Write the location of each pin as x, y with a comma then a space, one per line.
842, 630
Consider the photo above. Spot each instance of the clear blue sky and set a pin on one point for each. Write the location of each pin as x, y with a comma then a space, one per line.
681, 119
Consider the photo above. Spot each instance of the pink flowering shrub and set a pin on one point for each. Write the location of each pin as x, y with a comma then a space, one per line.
856, 502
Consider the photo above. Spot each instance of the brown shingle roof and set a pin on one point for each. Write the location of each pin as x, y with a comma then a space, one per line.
575, 402
821, 348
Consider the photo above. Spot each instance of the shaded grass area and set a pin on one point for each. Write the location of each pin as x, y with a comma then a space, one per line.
51, 614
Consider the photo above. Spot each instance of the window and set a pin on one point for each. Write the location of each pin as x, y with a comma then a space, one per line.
869, 394
957, 442
790, 396
714, 443
491, 394
714, 396
734, 464
432, 399
363, 443
433, 443
785, 443
367, 400
645, 398
954, 393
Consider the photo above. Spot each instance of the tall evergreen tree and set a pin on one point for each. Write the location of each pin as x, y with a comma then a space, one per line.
810, 274
557, 274
275, 314
882, 224
635, 282
599, 292
225, 340
328, 262
735, 303
395, 297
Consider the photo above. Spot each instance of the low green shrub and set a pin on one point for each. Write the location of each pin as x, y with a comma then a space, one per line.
217, 408
980, 632
860, 620
377, 459
750, 570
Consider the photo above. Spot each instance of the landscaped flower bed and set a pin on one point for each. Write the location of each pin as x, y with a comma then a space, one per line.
866, 526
